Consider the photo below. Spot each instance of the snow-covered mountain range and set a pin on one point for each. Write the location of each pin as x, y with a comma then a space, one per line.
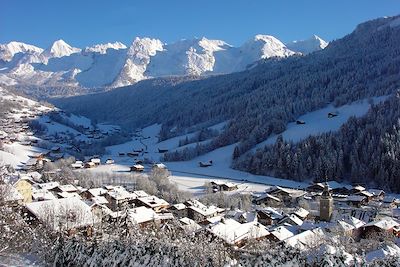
115, 65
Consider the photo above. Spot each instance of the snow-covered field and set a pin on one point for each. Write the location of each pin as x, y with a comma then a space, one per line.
317, 122
188, 175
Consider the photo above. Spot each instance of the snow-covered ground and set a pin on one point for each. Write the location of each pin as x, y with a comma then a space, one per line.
190, 176
317, 122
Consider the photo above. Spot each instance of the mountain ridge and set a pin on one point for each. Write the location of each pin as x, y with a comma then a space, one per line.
113, 65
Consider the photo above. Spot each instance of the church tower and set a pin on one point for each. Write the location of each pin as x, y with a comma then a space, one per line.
326, 205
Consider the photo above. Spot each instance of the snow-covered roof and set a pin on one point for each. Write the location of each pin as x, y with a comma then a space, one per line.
140, 193
179, 206
281, 233
49, 185
355, 198
99, 200
376, 192
228, 184
66, 194
120, 194
189, 225
67, 188
345, 226
141, 215
353, 221
95, 160
273, 213
97, 191
388, 199
267, 196
42, 194
385, 223
233, 232
366, 193
301, 213
383, 252
305, 239
63, 213
359, 188
291, 220
153, 201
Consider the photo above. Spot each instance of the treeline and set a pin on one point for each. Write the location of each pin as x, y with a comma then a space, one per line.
365, 150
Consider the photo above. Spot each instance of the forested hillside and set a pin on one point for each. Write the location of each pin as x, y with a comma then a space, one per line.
260, 101
366, 150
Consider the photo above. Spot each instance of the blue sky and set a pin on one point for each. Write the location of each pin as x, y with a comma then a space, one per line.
86, 22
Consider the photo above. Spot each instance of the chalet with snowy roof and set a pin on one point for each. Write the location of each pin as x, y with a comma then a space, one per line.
350, 226
179, 210
378, 193
223, 186
142, 216
152, 202
93, 192
69, 188
269, 216
42, 195
96, 161
291, 220
137, 168
237, 234
89, 165
199, 212
66, 194
65, 214
140, 193
119, 198
287, 195
48, 186
366, 194
301, 213
204, 164
77, 164
386, 225
356, 200
268, 200
189, 225
357, 189
280, 233
389, 202
306, 240
334, 186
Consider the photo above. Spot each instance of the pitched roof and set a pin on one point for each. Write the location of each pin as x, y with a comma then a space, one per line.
301, 213
305, 239
233, 232
153, 201
63, 213
384, 224
141, 215
281, 233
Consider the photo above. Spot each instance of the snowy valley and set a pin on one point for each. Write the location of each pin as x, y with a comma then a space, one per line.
199, 153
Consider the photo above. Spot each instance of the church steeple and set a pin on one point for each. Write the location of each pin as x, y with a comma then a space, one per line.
326, 203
